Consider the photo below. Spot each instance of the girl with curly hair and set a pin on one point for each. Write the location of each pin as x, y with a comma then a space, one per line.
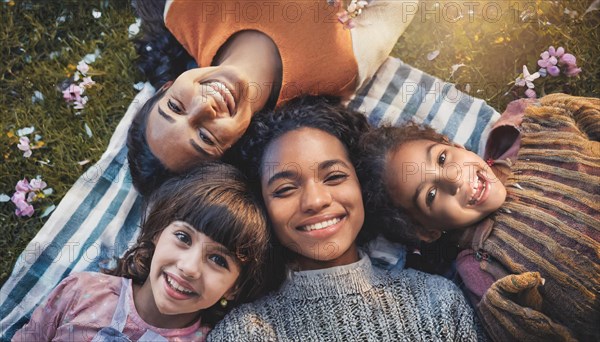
525, 218
201, 251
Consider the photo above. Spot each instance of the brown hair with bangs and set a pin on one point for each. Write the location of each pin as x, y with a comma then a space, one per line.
216, 200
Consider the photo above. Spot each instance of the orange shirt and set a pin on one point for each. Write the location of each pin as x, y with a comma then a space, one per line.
316, 51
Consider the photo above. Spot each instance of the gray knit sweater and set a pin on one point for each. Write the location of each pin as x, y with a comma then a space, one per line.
355, 302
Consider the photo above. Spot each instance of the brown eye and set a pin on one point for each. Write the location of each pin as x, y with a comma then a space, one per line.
205, 138
430, 196
173, 107
442, 158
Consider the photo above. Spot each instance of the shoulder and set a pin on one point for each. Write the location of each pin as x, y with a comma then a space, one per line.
248, 322
423, 288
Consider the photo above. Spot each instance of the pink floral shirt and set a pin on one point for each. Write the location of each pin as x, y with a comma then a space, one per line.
84, 303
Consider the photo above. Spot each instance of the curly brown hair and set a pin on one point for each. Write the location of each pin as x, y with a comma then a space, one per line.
216, 200
377, 146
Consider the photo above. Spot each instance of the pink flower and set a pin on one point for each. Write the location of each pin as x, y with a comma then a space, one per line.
87, 82
18, 196
547, 60
568, 59
553, 70
37, 184
22, 185
557, 53
24, 146
24, 209
73, 93
80, 104
83, 67
572, 71
530, 93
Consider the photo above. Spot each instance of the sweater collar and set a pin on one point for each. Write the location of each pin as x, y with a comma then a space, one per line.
353, 278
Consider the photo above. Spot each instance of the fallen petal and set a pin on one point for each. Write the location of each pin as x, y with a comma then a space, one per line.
4, 198
96, 14
48, 211
26, 130
88, 131
530, 93
37, 97
433, 54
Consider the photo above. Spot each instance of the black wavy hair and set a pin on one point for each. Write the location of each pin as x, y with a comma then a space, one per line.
371, 167
319, 112
161, 58
147, 171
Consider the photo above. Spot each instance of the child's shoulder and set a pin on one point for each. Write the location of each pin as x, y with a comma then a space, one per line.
92, 280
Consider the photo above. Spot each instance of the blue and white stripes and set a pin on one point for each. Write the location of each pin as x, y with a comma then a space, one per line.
98, 218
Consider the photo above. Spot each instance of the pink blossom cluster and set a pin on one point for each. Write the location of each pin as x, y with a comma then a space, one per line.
74, 91
552, 59
552, 62
26, 193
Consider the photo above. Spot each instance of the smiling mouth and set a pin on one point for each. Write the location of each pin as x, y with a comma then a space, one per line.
479, 186
174, 285
320, 225
223, 94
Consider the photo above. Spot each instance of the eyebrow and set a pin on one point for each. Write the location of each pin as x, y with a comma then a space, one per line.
212, 247
420, 187
165, 115
287, 174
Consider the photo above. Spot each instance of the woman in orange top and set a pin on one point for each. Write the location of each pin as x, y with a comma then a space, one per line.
250, 56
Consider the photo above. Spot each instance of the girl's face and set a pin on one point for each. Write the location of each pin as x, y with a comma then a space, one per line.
313, 197
189, 272
443, 186
203, 113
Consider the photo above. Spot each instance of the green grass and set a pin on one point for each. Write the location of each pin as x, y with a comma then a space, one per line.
36, 50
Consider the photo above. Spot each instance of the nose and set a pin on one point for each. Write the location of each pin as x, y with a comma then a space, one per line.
190, 264
315, 197
203, 108
452, 180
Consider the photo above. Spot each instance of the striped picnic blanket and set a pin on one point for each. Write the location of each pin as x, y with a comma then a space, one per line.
98, 218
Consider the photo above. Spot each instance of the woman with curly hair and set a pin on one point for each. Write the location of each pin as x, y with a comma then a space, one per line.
302, 157
250, 56
201, 251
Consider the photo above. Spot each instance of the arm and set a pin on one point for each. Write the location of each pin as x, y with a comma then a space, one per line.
50, 314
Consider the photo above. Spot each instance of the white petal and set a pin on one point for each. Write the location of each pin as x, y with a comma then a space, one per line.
433, 54
88, 131
4, 198
96, 14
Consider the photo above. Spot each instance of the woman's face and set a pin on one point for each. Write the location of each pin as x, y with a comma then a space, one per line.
443, 186
313, 197
203, 113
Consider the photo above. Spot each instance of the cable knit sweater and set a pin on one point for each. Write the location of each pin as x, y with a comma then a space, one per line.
355, 302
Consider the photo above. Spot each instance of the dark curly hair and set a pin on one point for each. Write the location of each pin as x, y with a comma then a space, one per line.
161, 58
377, 146
216, 200
319, 112
147, 171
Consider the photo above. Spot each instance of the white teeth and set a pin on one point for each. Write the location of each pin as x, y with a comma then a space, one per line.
320, 225
219, 89
175, 286
479, 186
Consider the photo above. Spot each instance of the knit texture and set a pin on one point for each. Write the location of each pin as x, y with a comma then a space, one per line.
356, 302
550, 223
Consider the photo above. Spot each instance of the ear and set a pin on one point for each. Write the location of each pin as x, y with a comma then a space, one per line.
429, 235
166, 86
